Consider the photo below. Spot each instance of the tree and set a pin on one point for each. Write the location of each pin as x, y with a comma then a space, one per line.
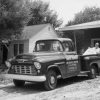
14, 15
86, 15
41, 14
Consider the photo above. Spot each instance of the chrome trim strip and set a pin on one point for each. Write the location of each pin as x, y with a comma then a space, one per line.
55, 64
24, 77
52, 66
59, 63
22, 69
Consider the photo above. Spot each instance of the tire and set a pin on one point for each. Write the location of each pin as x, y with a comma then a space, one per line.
51, 80
93, 73
18, 83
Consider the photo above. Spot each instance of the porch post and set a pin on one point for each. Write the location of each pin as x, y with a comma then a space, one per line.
75, 40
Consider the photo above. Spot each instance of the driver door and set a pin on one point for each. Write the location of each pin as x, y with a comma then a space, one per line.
71, 57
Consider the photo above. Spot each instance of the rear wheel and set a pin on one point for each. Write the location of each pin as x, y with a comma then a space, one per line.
18, 83
51, 80
93, 72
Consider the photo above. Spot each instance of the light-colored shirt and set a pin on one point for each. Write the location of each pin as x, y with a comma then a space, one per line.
97, 50
91, 51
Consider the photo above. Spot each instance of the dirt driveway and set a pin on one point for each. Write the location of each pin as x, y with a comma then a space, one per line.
77, 88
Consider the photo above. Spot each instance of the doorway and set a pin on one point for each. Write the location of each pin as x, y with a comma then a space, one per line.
4, 52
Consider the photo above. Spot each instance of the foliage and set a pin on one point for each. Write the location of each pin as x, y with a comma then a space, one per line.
14, 14
87, 15
41, 14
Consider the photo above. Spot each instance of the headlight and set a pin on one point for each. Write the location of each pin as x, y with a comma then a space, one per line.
37, 65
8, 64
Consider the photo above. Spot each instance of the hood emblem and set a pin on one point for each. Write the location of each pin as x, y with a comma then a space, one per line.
21, 60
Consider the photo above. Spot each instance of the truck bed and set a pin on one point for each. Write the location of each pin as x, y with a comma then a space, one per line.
86, 60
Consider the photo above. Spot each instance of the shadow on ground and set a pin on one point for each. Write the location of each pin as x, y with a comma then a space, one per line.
70, 81
32, 88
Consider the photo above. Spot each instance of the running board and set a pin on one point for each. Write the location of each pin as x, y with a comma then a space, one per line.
83, 72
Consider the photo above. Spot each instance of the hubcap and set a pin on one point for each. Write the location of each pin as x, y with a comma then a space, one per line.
52, 79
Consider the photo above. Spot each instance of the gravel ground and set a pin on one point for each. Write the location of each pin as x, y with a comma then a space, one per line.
77, 88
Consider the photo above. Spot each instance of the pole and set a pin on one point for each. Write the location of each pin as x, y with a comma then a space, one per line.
75, 41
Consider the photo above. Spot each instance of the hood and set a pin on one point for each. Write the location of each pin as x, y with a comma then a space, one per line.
41, 56
25, 56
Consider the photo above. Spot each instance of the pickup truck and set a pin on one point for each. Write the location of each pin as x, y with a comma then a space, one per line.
51, 59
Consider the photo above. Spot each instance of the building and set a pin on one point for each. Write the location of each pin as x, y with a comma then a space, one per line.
89, 34
30, 35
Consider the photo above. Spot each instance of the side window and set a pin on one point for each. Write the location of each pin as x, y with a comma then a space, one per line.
71, 47
15, 49
21, 48
57, 46
68, 46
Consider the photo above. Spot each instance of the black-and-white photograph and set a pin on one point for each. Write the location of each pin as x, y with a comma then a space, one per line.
49, 49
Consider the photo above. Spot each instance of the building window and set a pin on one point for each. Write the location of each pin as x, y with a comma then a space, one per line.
18, 49
21, 48
15, 49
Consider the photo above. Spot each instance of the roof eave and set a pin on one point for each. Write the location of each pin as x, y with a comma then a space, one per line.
89, 25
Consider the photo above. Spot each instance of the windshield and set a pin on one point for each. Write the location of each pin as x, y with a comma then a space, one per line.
48, 46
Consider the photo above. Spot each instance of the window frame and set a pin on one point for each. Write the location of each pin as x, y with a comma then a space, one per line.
60, 44
18, 48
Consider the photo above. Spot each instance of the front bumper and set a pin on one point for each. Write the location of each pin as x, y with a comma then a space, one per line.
24, 77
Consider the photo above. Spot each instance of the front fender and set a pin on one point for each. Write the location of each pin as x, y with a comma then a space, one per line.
55, 68
97, 65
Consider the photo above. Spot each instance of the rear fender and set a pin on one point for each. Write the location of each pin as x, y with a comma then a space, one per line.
97, 66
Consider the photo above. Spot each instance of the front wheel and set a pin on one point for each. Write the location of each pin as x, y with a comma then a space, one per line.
92, 73
51, 80
18, 83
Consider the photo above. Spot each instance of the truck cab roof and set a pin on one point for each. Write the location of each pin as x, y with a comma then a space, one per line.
60, 39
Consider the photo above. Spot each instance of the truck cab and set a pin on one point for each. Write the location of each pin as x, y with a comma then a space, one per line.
51, 59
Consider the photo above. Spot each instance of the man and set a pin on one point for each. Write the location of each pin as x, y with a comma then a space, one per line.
94, 50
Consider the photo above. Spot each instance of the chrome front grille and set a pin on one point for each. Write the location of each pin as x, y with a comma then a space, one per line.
23, 69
